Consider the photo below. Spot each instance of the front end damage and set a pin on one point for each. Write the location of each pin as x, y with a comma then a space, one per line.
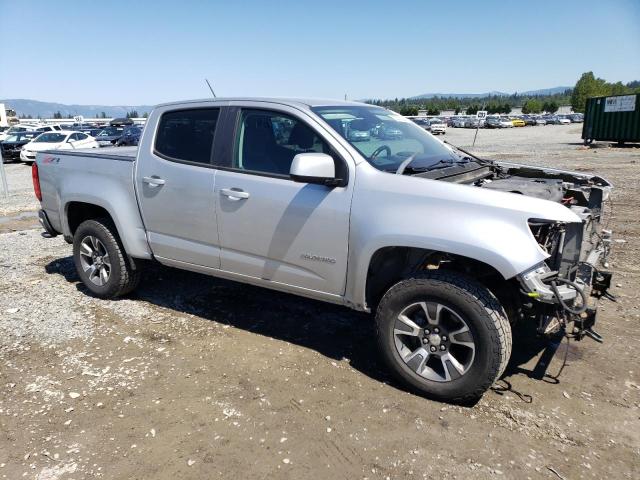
562, 293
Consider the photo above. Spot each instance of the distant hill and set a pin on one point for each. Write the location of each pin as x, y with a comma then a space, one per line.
543, 91
460, 95
35, 109
546, 91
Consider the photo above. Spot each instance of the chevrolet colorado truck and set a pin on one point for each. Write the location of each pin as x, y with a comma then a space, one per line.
452, 252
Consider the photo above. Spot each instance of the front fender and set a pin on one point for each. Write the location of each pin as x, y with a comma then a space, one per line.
402, 211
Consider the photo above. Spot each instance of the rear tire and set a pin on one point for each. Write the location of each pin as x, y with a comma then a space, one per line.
456, 342
101, 261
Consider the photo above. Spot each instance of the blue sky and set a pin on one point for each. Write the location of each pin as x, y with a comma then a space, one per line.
145, 52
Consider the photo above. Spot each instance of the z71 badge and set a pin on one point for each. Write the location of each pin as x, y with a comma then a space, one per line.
50, 159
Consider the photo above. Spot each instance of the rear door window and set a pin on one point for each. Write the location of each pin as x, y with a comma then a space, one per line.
187, 135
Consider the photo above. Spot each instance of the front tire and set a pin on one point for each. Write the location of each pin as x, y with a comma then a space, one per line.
444, 335
101, 261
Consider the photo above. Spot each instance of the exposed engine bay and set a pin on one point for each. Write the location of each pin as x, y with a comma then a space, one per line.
563, 291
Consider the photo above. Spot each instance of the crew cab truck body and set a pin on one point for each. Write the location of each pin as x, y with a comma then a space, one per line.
450, 251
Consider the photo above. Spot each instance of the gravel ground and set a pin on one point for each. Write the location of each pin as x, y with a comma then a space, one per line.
193, 377
21, 198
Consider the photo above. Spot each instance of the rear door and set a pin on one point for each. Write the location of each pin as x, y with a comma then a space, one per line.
174, 183
271, 227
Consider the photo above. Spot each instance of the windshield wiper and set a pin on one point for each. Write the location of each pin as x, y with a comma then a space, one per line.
442, 163
470, 156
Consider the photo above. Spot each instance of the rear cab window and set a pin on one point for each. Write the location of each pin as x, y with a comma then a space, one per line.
187, 135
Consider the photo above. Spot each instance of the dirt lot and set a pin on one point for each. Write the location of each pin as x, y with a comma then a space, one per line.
194, 377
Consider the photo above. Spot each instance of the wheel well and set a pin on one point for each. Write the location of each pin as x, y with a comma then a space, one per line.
389, 265
78, 212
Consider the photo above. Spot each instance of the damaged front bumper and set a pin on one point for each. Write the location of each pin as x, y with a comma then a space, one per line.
565, 289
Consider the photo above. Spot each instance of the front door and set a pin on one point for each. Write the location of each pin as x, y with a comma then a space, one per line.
271, 227
175, 181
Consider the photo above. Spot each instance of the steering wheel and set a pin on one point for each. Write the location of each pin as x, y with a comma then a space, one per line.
379, 150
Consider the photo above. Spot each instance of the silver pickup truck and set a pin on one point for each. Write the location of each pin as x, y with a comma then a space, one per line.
452, 252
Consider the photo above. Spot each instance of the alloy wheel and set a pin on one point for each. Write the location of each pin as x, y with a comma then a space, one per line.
434, 341
94, 260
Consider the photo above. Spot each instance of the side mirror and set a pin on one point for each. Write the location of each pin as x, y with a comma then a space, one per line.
316, 168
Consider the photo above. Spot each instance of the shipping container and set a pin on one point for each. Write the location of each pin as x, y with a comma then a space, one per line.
612, 119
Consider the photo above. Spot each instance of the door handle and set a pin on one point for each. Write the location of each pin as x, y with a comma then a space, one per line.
153, 181
234, 194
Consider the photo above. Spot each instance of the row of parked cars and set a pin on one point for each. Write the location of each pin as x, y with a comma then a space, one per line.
504, 121
23, 141
437, 125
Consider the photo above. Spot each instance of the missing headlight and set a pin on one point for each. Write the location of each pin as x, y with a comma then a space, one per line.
550, 236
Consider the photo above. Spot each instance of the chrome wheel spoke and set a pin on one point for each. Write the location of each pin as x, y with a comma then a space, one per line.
449, 361
432, 312
107, 261
407, 327
104, 275
462, 337
417, 359
85, 249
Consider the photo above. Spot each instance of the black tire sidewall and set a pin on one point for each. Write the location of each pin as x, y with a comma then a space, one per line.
99, 230
461, 302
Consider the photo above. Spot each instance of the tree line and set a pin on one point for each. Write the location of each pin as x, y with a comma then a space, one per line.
587, 86
130, 114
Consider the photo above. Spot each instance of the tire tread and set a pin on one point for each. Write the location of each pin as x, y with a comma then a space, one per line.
129, 277
499, 326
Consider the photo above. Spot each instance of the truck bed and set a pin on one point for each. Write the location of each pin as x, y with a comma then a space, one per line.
100, 177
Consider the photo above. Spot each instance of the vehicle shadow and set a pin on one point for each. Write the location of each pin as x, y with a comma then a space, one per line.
333, 331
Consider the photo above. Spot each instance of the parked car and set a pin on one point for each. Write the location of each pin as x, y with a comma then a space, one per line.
121, 122
17, 129
131, 136
471, 122
12, 145
63, 140
551, 120
94, 132
576, 118
459, 122
438, 126
528, 120
492, 122
49, 128
357, 130
517, 122
564, 119
389, 132
422, 122
427, 236
540, 121
109, 136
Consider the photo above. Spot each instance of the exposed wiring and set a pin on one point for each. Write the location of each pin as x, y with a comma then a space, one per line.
554, 287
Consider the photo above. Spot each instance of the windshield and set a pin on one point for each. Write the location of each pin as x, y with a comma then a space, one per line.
393, 137
19, 137
16, 129
111, 131
50, 138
